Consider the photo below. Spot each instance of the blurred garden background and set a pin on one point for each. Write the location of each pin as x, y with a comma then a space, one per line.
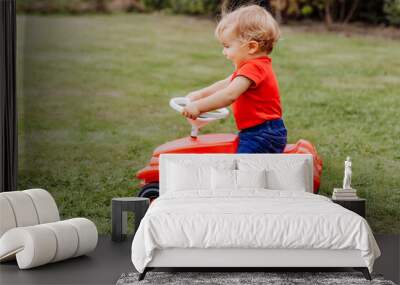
95, 79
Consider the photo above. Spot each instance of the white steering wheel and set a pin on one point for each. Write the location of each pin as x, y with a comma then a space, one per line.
178, 103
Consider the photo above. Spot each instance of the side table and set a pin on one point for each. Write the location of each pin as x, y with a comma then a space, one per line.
120, 206
356, 205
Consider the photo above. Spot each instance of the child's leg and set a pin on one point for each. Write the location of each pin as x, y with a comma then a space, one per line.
248, 143
269, 137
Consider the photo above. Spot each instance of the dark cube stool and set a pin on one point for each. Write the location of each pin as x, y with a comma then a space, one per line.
119, 207
356, 205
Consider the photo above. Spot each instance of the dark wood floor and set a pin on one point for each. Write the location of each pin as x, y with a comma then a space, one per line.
110, 260
102, 266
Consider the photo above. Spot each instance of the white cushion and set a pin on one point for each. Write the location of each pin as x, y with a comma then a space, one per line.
293, 178
23, 208
26, 208
252, 161
7, 218
46, 207
87, 233
227, 179
40, 244
33, 244
291, 175
251, 178
67, 239
185, 175
223, 179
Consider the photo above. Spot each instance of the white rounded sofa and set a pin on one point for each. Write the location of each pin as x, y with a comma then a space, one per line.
31, 231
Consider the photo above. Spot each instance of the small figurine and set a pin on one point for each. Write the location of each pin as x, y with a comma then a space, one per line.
347, 174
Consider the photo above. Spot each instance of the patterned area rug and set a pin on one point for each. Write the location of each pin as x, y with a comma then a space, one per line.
241, 278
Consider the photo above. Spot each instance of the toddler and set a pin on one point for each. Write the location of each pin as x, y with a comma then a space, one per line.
248, 36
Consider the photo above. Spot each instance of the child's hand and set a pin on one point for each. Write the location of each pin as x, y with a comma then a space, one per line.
191, 111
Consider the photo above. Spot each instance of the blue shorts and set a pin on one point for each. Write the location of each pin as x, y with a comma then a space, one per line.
267, 137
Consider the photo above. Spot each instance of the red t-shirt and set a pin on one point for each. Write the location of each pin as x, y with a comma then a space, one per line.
261, 101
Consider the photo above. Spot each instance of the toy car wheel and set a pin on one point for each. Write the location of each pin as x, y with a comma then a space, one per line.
150, 191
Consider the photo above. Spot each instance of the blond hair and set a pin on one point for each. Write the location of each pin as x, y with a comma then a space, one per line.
249, 23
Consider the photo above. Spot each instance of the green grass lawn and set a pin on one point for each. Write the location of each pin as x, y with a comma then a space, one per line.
94, 91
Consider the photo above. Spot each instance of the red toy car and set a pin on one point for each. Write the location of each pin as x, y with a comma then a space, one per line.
209, 143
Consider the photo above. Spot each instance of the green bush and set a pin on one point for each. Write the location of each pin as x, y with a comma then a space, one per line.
307, 10
299, 9
367, 11
155, 4
194, 6
370, 11
392, 11
60, 6
312, 8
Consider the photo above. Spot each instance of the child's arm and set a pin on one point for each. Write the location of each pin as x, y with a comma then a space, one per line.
207, 91
219, 99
